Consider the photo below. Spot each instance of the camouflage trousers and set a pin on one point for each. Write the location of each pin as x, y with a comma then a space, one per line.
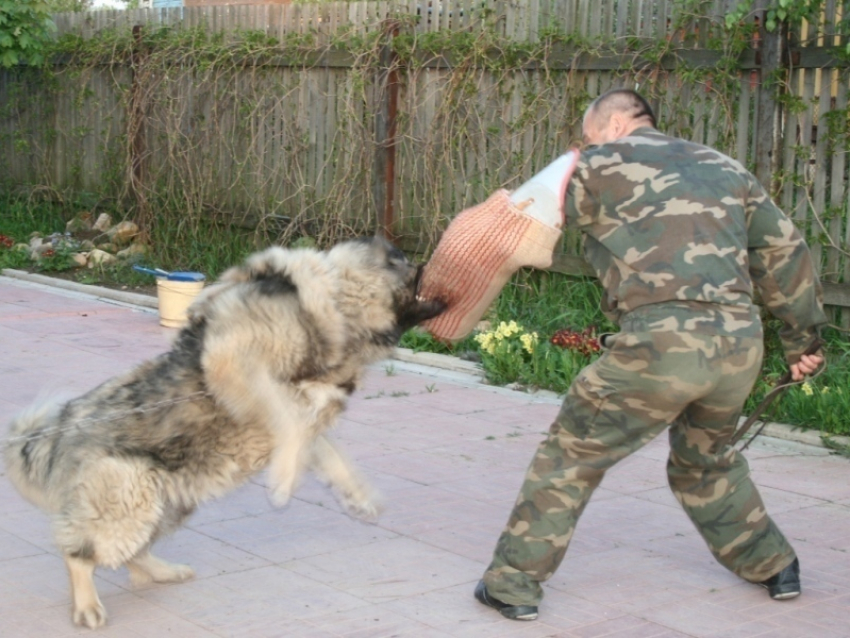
644, 382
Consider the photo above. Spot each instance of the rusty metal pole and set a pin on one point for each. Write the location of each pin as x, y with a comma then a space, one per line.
386, 127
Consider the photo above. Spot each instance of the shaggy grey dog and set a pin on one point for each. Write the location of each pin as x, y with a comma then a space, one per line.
263, 368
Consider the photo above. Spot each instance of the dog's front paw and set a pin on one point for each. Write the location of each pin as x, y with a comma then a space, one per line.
366, 511
366, 507
91, 616
280, 496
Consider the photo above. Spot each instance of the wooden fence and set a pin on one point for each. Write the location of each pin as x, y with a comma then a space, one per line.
341, 138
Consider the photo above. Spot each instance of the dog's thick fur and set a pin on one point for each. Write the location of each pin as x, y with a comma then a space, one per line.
262, 369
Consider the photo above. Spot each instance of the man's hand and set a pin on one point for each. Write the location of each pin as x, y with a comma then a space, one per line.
807, 364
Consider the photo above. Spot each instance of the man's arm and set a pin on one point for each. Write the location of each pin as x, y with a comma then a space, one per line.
782, 268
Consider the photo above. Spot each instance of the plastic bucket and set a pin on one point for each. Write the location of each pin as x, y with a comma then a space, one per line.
175, 297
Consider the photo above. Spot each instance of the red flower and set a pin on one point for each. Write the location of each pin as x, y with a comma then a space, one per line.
584, 342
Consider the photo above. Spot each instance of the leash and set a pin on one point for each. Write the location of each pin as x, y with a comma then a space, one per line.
784, 383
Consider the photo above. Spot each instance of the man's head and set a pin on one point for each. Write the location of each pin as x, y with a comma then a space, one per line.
615, 114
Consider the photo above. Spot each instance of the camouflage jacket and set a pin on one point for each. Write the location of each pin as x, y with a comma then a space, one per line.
679, 234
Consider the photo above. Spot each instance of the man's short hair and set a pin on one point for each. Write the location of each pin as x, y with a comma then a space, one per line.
624, 101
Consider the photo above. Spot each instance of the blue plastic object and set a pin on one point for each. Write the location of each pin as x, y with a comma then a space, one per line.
171, 276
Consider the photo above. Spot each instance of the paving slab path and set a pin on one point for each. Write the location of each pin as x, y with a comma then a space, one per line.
448, 455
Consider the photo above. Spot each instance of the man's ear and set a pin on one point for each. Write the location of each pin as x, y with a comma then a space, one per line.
617, 125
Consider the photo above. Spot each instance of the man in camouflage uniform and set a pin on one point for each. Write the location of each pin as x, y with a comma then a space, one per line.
679, 235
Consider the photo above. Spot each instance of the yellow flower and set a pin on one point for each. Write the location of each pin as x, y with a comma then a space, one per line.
807, 389
507, 329
529, 340
825, 390
485, 339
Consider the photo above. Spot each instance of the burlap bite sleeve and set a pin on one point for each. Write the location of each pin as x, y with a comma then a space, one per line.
479, 251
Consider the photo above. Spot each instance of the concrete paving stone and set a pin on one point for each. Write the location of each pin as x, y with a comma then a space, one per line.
426, 467
124, 609
812, 476
448, 456
533, 417
370, 622
40, 582
621, 627
462, 401
24, 387
826, 524
8, 409
388, 491
421, 510
659, 496
23, 521
695, 617
779, 501
298, 542
16, 547
796, 628
398, 410
397, 567
295, 518
22, 623
164, 625
383, 438
475, 544
445, 429
750, 629
635, 474
629, 520
208, 556
249, 499
455, 611
496, 486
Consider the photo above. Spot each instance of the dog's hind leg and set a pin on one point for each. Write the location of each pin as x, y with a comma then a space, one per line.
351, 489
87, 610
112, 512
145, 567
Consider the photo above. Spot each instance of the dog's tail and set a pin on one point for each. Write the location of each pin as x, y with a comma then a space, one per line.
30, 448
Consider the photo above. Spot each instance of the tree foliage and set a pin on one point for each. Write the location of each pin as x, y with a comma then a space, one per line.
58, 6
25, 28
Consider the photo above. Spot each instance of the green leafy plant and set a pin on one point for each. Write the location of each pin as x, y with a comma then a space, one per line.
25, 28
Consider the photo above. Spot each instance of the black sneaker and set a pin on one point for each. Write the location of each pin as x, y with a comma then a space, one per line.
785, 584
514, 612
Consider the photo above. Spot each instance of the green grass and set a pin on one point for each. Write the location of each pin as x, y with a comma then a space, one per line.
175, 244
824, 403
204, 247
18, 219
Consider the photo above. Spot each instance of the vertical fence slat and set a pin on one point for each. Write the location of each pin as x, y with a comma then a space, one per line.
838, 187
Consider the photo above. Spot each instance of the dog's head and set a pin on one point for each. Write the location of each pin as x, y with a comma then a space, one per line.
393, 274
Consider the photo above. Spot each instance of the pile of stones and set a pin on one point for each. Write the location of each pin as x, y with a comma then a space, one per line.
89, 242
